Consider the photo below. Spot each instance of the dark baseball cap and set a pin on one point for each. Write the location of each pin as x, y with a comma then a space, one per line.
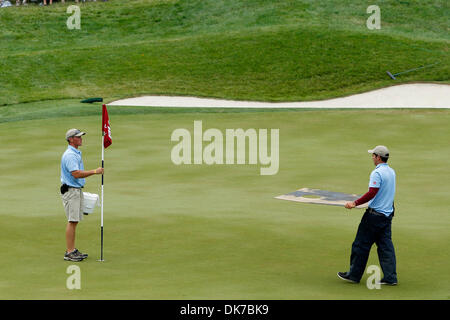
74, 133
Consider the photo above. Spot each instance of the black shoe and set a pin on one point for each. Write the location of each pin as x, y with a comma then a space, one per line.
82, 255
72, 257
344, 276
387, 283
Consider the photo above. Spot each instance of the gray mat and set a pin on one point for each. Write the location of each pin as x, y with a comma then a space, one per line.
317, 196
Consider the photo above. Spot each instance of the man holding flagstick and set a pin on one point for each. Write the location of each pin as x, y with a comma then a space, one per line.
72, 182
106, 142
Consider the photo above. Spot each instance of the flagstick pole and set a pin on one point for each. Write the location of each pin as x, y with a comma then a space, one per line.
101, 223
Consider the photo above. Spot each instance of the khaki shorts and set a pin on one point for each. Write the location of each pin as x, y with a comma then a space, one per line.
73, 204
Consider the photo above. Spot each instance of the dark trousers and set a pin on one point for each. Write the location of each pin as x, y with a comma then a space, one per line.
374, 228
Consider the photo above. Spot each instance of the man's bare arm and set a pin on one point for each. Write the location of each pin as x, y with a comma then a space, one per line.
77, 174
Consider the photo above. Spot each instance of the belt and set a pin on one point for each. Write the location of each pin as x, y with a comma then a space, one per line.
372, 211
67, 186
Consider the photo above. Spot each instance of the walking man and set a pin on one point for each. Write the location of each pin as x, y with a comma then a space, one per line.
375, 226
72, 182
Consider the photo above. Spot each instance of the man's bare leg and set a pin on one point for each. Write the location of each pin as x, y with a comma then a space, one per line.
70, 235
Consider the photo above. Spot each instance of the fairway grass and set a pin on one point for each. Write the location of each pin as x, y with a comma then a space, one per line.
216, 232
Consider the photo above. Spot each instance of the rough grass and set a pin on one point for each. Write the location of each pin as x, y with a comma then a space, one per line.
256, 50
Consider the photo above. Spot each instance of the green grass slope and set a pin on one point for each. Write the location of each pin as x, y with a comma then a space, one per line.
256, 49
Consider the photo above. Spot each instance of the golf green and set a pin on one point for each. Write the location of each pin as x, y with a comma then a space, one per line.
216, 231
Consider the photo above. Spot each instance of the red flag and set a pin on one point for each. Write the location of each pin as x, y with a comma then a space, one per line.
106, 128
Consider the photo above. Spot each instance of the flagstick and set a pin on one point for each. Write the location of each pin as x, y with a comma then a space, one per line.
101, 223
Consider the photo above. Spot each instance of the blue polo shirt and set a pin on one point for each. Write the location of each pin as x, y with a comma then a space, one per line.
383, 177
71, 161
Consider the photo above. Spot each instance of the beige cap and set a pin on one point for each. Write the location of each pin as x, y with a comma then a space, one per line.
74, 133
381, 151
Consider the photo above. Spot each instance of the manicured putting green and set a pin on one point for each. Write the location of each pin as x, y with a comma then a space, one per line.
216, 232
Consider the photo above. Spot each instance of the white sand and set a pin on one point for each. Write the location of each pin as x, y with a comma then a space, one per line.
418, 95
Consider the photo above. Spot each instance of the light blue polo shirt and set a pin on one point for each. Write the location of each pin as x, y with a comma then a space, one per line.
383, 177
71, 161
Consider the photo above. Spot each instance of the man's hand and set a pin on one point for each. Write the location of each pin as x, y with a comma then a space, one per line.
99, 170
350, 205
